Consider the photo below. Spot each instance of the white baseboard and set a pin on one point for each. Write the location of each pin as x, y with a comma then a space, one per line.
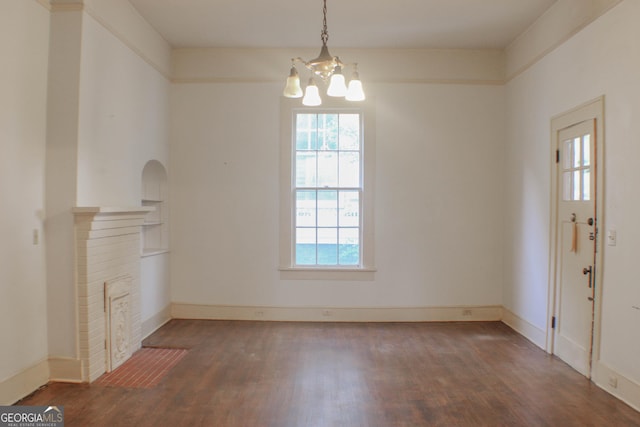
62, 369
333, 314
154, 322
24, 383
524, 328
617, 384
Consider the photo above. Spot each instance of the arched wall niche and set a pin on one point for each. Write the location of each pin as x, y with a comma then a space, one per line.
155, 239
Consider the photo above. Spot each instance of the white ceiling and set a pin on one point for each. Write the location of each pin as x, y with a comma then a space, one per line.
471, 24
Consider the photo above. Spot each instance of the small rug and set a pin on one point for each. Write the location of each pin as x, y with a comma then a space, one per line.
144, 369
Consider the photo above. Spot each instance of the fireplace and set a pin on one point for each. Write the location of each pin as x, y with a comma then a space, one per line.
108, 244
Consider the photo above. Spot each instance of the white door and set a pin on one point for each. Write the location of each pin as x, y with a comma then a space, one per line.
576, 245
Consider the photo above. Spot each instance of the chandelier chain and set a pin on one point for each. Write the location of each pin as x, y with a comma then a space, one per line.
325, 34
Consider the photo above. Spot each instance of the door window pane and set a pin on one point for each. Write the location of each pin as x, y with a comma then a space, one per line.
586, 184
586, 150
575, 146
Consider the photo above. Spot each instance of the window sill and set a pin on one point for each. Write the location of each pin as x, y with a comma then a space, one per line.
344, 274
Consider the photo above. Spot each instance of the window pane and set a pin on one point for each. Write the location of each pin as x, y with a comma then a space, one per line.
576, 185
586, 184
328, 131
349, 206
327, 169
568, 154
566, 185
305, 246
306, 169
327, 246
586, 150
349, 246
327, 208
306, 208
577, 160
350, 132
306, 132
349, 169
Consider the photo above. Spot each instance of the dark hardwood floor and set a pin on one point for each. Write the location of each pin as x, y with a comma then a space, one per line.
347, 374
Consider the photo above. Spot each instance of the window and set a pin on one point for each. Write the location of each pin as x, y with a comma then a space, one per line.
326, 189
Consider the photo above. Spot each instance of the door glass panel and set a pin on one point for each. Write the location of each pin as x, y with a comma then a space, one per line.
576, 185
586, 184
586, 149
577, 159
566, 186
568, 153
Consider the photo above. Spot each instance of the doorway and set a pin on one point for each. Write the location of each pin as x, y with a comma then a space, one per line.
575, 260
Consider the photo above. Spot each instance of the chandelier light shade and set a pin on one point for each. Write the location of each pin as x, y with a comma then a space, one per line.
312, 95
329, 69
293, 89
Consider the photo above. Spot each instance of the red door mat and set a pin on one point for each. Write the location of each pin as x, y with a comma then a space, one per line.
144, 369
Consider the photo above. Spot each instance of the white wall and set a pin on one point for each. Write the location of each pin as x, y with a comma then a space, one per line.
602, 59
437, 203
24, 41
109, 117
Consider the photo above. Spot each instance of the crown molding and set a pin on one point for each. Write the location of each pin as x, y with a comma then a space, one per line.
66, 6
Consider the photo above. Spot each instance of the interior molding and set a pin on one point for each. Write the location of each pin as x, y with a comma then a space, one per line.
156, 321
616, 384
44, 3
66, 370
337, 314
556, 26
231, 80
65, 7
524, 328
24, 383
163, 71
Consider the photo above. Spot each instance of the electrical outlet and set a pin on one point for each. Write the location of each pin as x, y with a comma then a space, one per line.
467, 312
326, 313
259, 314
36, 236
613, 381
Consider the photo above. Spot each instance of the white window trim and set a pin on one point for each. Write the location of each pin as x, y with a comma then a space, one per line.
288, 270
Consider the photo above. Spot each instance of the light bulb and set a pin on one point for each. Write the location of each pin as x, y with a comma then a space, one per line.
311, 95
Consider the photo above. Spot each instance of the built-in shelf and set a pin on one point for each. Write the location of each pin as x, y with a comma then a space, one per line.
155, 236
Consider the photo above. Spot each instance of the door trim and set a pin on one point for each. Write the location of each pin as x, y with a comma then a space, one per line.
591, 110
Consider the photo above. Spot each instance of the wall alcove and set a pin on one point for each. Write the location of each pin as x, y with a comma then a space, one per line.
155, 232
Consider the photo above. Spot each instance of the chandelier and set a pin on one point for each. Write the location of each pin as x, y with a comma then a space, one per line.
329, 69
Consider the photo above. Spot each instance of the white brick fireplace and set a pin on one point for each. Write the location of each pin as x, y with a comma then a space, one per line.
108, 244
